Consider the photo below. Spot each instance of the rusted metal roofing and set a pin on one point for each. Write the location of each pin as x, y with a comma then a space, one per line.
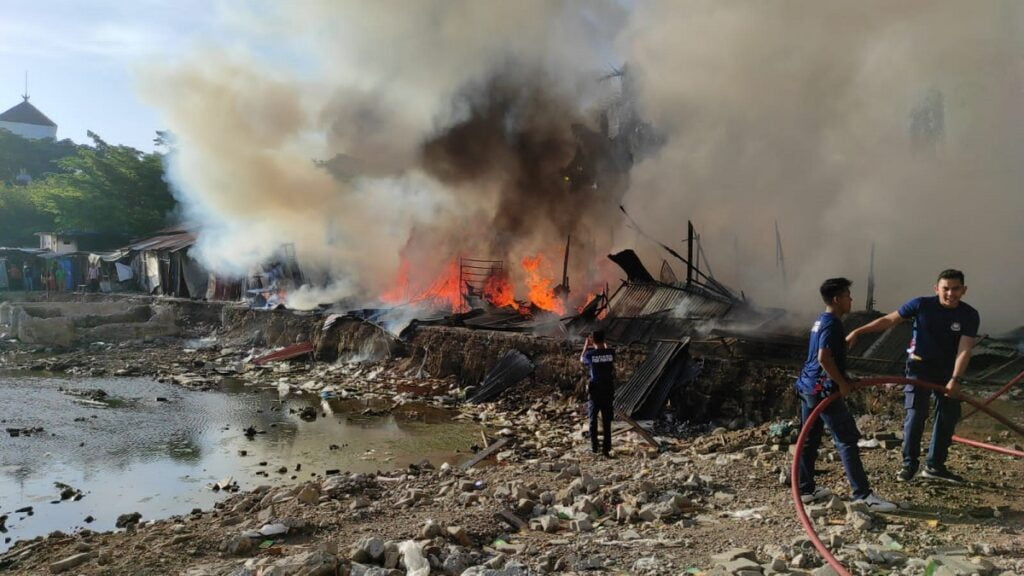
171, 242
635, 300
652, 382
642, 312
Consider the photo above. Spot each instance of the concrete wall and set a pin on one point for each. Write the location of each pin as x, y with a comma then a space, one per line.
57, 243
30, 131
64, 324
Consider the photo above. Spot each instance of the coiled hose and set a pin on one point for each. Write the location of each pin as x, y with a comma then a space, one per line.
865, 383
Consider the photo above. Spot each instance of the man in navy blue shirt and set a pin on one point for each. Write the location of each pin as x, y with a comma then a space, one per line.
600, 359
824, 373
945, 330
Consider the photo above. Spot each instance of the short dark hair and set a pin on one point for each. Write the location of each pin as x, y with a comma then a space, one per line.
598, 336
951, 274
834, 287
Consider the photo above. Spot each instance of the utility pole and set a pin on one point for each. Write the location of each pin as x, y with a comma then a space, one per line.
871, 282
780, 258
701, 254
696, 264
565, 265
689, 252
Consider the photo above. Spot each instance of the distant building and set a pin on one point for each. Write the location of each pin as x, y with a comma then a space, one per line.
27, 121
72, 241
57, 242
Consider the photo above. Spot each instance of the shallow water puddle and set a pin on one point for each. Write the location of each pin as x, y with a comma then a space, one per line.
156, 448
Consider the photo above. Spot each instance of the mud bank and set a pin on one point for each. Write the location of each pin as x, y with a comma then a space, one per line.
726, 390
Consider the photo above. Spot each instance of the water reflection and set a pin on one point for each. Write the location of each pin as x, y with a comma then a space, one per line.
159, 446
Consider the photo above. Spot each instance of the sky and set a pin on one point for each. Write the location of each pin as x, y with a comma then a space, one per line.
81, 59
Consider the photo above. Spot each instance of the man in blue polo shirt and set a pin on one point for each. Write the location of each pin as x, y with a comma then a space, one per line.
600, 359
823, 374
945, 330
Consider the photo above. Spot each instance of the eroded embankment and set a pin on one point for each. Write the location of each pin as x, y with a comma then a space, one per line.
726, 390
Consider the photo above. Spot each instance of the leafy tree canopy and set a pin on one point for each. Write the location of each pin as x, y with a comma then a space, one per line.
97, 188
35, 157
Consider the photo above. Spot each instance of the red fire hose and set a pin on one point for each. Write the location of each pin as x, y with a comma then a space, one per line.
1016, 379
815, 414
1010, 451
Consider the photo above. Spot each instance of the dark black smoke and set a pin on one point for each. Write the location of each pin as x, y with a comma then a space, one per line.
516, 133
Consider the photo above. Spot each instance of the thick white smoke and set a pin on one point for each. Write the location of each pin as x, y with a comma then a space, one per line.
365, 86
847, 123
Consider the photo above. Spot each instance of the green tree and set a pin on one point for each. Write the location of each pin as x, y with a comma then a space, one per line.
36, 157
106, 188
21, 217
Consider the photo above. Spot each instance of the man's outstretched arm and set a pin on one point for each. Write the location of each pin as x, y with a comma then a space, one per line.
586, 346
878, 325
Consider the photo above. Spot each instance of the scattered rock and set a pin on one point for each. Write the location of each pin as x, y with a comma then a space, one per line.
369, 549
125, 520
70, 562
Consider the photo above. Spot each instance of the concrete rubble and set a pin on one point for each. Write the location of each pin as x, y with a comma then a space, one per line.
709, 501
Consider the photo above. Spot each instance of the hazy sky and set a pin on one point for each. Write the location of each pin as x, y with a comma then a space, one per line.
81, 56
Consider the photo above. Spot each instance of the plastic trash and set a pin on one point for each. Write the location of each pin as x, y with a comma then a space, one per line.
273, 529
748, 514
415, 563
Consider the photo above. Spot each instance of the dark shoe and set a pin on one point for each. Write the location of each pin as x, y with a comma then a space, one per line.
906, 474
942, 473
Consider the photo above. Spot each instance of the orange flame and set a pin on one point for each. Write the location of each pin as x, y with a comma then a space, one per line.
541, 292
444, 292
587, 300
398, 294
498, 290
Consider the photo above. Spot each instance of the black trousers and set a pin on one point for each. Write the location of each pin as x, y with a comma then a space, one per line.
606, 410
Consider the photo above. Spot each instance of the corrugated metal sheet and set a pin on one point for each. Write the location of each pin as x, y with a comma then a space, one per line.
630, 300
166, 242
635, 300
683, 304
641, 312
648, 382
499, 319
512, 367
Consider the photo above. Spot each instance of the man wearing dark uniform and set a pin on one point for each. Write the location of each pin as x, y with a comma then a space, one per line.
824, 374
600, 359
945, 330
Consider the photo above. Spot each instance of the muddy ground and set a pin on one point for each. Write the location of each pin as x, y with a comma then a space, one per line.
706, 491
